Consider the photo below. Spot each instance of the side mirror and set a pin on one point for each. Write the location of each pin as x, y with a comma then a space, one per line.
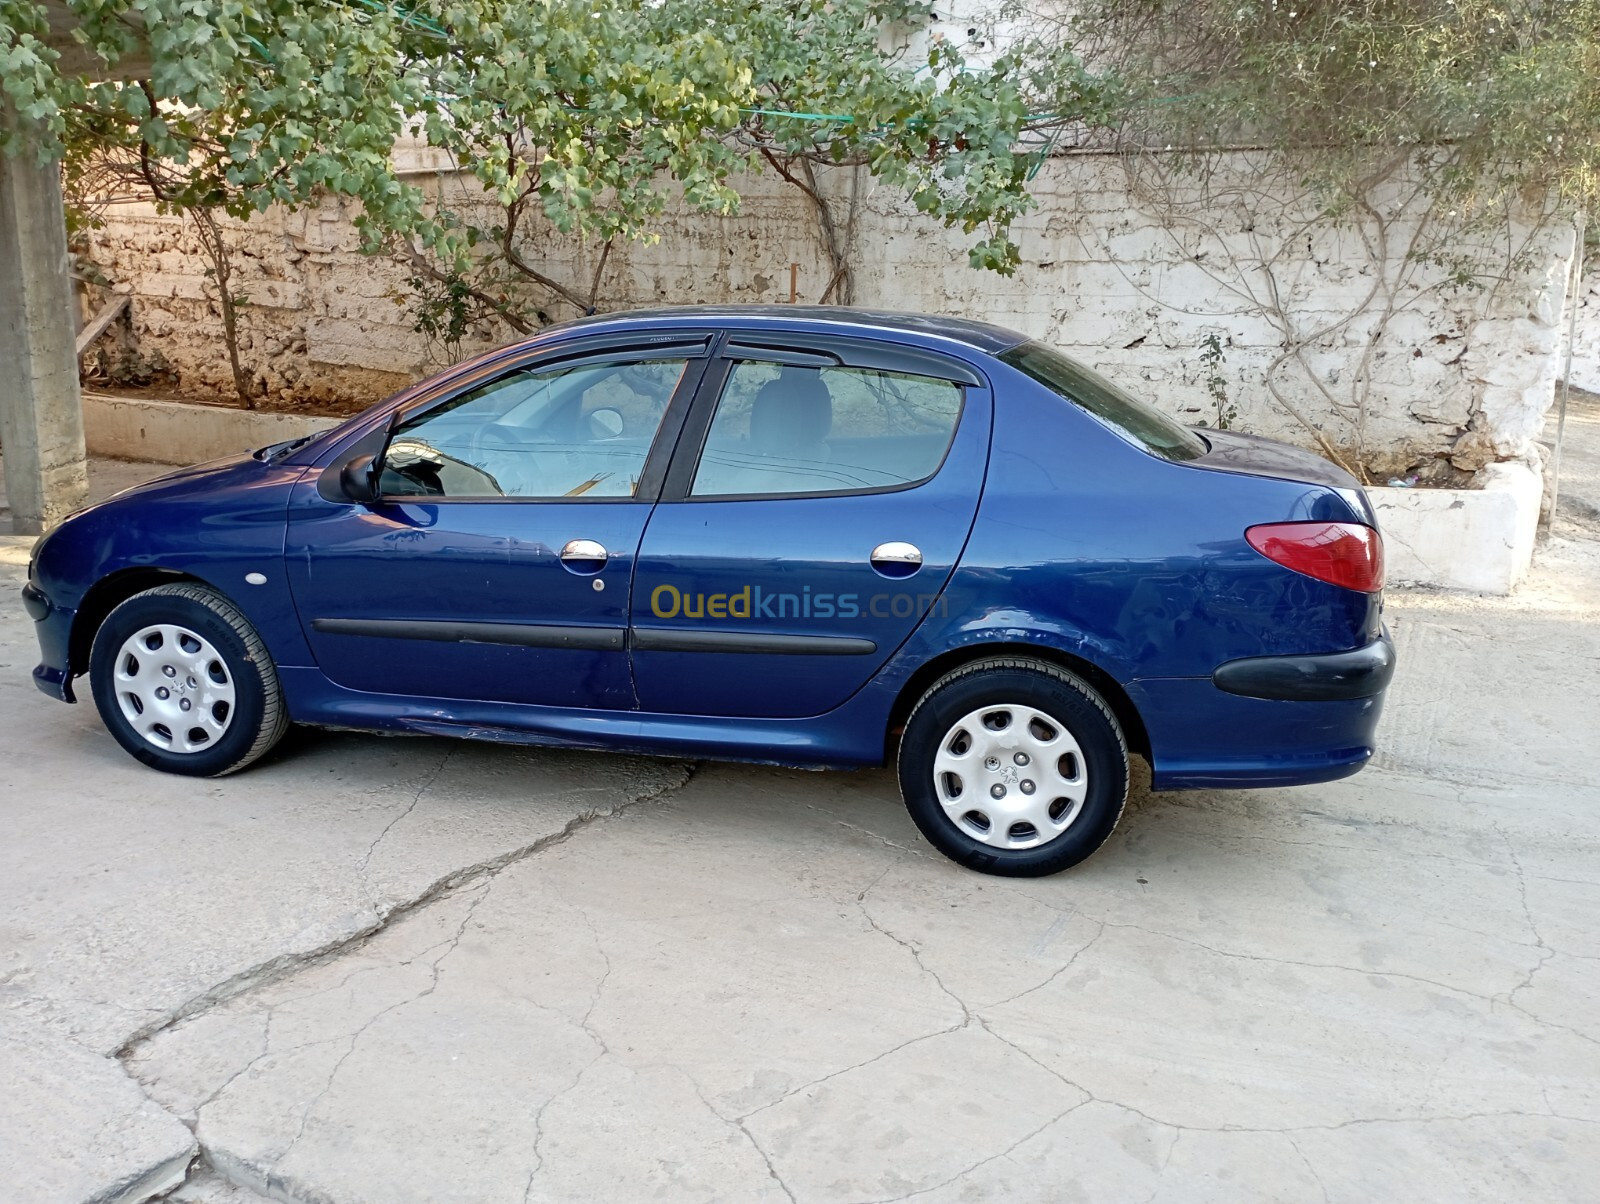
605, 424
358, 479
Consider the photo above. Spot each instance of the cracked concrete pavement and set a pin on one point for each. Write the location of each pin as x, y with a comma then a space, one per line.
410, 970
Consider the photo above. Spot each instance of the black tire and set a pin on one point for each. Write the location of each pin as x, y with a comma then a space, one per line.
1064, 698
256, 718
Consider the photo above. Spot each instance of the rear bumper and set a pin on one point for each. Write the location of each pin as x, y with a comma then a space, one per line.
1203, 736
1325, 677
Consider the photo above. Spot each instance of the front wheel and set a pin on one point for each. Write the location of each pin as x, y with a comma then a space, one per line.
184, 683
1013, 767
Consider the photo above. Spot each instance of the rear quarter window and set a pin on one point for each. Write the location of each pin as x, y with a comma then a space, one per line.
1088, 390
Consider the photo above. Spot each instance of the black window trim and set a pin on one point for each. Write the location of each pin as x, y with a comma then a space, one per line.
691, 440
692, 349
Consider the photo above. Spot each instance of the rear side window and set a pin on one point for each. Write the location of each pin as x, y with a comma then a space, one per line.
784, 430
1086, 388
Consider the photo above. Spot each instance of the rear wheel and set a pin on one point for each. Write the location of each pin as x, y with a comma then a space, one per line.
184, 683
1014, 767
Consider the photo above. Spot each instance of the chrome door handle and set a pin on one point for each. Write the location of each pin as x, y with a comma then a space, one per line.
896, 558
584, 554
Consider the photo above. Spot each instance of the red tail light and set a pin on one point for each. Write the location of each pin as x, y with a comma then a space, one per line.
1347, 554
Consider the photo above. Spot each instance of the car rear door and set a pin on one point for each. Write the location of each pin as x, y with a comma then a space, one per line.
819, 499
495, 566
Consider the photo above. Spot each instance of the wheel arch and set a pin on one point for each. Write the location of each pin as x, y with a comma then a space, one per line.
106, 595
1133, 728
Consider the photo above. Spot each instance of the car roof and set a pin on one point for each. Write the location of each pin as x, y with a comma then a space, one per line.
811, 319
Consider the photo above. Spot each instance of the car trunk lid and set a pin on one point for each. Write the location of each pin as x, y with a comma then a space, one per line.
1257, 456
1235, 451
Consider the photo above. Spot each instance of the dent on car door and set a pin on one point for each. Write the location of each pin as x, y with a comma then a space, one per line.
818, 513
495, 564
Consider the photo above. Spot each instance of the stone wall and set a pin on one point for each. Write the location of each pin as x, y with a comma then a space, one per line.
1132, 276
320, 324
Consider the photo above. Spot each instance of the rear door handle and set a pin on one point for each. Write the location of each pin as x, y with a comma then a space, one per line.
584, 556
896, 558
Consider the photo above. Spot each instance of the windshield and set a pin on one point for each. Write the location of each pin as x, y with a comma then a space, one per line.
1088, 389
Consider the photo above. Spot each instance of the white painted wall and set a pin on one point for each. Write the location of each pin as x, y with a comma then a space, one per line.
1586, 340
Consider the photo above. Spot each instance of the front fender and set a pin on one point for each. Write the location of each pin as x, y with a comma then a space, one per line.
220, 525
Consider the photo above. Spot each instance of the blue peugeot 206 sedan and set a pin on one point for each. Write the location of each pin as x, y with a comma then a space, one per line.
815, 537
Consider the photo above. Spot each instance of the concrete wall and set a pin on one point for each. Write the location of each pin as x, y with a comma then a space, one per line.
1477, 540
165, 432
1129, 277
1586, 341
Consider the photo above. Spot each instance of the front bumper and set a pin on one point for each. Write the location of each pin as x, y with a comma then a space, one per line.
1323, 677
35, 603
53, 626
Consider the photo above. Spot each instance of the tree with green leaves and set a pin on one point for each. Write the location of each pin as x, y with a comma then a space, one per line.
1445, 143
585, 118
579, 117
1502, 97
232, 107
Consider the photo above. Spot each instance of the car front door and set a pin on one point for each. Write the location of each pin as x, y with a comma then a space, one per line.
818, 502
496, 561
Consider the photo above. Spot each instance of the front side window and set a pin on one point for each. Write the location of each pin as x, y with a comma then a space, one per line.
582, 430
1086, 388
784, 430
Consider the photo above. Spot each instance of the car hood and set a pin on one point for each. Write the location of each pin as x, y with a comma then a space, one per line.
204, 468
231, 479
218, 470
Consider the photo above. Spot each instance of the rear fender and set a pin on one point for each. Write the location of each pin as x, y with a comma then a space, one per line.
1136, 563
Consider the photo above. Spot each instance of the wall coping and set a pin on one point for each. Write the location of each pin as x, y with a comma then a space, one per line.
175, 432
